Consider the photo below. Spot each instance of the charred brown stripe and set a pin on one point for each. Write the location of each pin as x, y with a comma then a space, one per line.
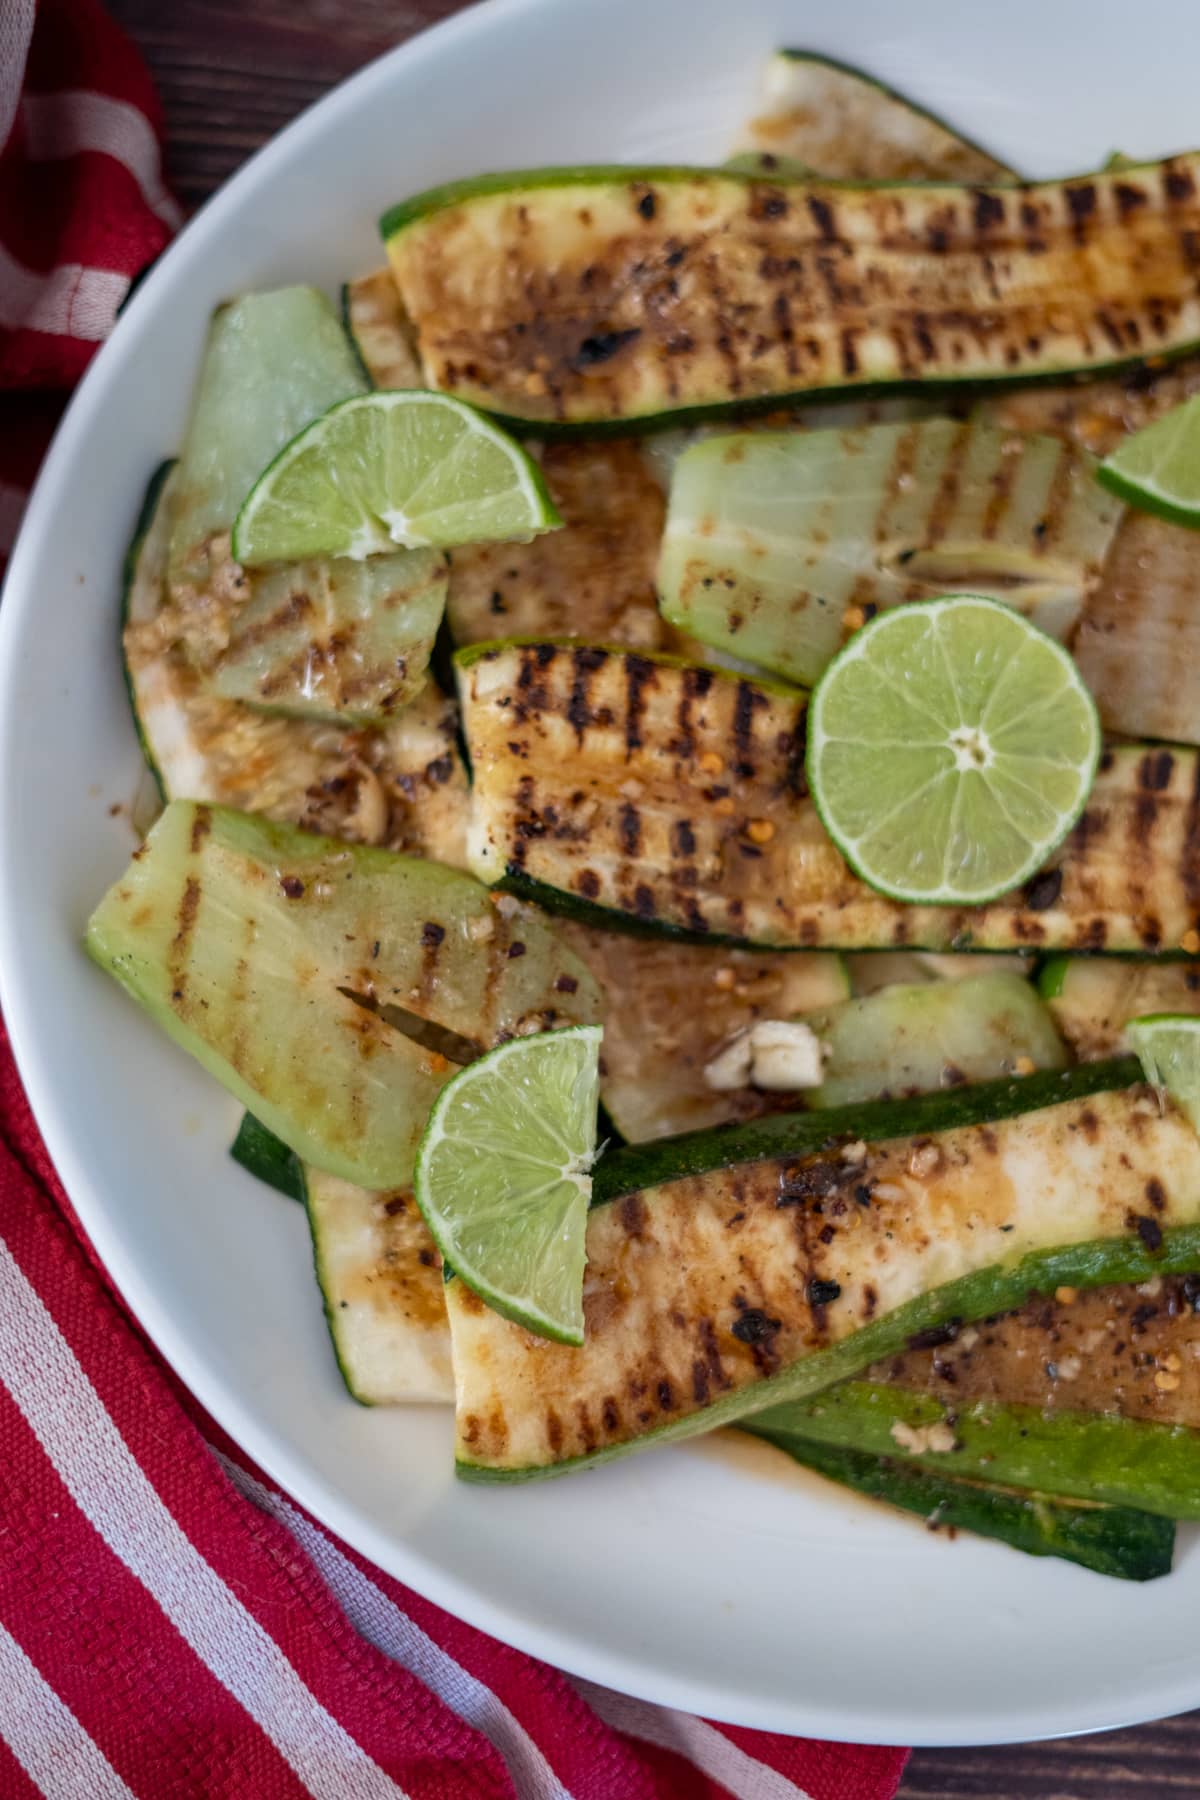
586, 661
640, 673
1191, 845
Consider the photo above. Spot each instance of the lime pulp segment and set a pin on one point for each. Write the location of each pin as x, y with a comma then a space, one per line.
396, 466
1158, 469
504, 1176
951, 747
1169, 1047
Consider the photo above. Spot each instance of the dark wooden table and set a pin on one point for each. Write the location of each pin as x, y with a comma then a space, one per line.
231, 75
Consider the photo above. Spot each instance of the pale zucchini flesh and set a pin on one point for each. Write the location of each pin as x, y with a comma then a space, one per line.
670, 1008
403, 785
777, 544
842, 122
341, 639
710, 1298
590, 296
273, 361
1093, 999
331, 640
618, 781
878, 969
381, 1281
374, 322
914, 1038
247, 942
1138, 641
593, 579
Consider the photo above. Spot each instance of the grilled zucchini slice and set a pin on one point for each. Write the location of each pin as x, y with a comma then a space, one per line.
778, 543
838, 121
594, 578
592, 296
327, 639
273, 361
381, 1282
1110, 1540
1094, 415
627, 788
913, 1038
669, 1009
374, 321
1093, 1000
710, 1297
403, 785
1085, 1455
262, 951
1138, 641
1108, 1350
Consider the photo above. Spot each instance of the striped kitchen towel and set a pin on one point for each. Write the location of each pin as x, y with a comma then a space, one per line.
171, 1624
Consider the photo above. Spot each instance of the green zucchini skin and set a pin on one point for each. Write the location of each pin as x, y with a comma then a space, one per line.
1089, 273
143, 573
1109, 1540
713, 1297
268, 1159
1081, 1455
673, 796
846, 123
638, 1166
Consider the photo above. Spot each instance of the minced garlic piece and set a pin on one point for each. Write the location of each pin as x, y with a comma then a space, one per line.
917, 1439
786, 1055
777, 1055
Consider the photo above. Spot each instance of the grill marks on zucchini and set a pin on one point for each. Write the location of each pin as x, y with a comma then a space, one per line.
242, 940
402, 785
1131, 1351
614, 294
774, 541
673, 798
593, 579
711, 1296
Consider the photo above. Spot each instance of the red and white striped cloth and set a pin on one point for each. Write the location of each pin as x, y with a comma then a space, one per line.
171, 1625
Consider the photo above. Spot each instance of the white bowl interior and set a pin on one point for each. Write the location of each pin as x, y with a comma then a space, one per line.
713, 1577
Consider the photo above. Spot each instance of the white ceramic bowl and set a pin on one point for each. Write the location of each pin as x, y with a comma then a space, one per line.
706, 1577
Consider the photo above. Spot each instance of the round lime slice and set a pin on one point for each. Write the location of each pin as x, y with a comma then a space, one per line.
398, 466
1169, 1046
503, 1176
1158, 469
951, 747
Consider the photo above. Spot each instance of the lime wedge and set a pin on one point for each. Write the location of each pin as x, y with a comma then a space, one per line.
1158, 469
398, 466
1169, 1046
503, 1176
951, 747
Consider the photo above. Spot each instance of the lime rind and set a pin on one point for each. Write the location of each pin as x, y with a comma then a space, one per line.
1168, 1045
1157, 470
970, 835
503, 1176
405, 468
